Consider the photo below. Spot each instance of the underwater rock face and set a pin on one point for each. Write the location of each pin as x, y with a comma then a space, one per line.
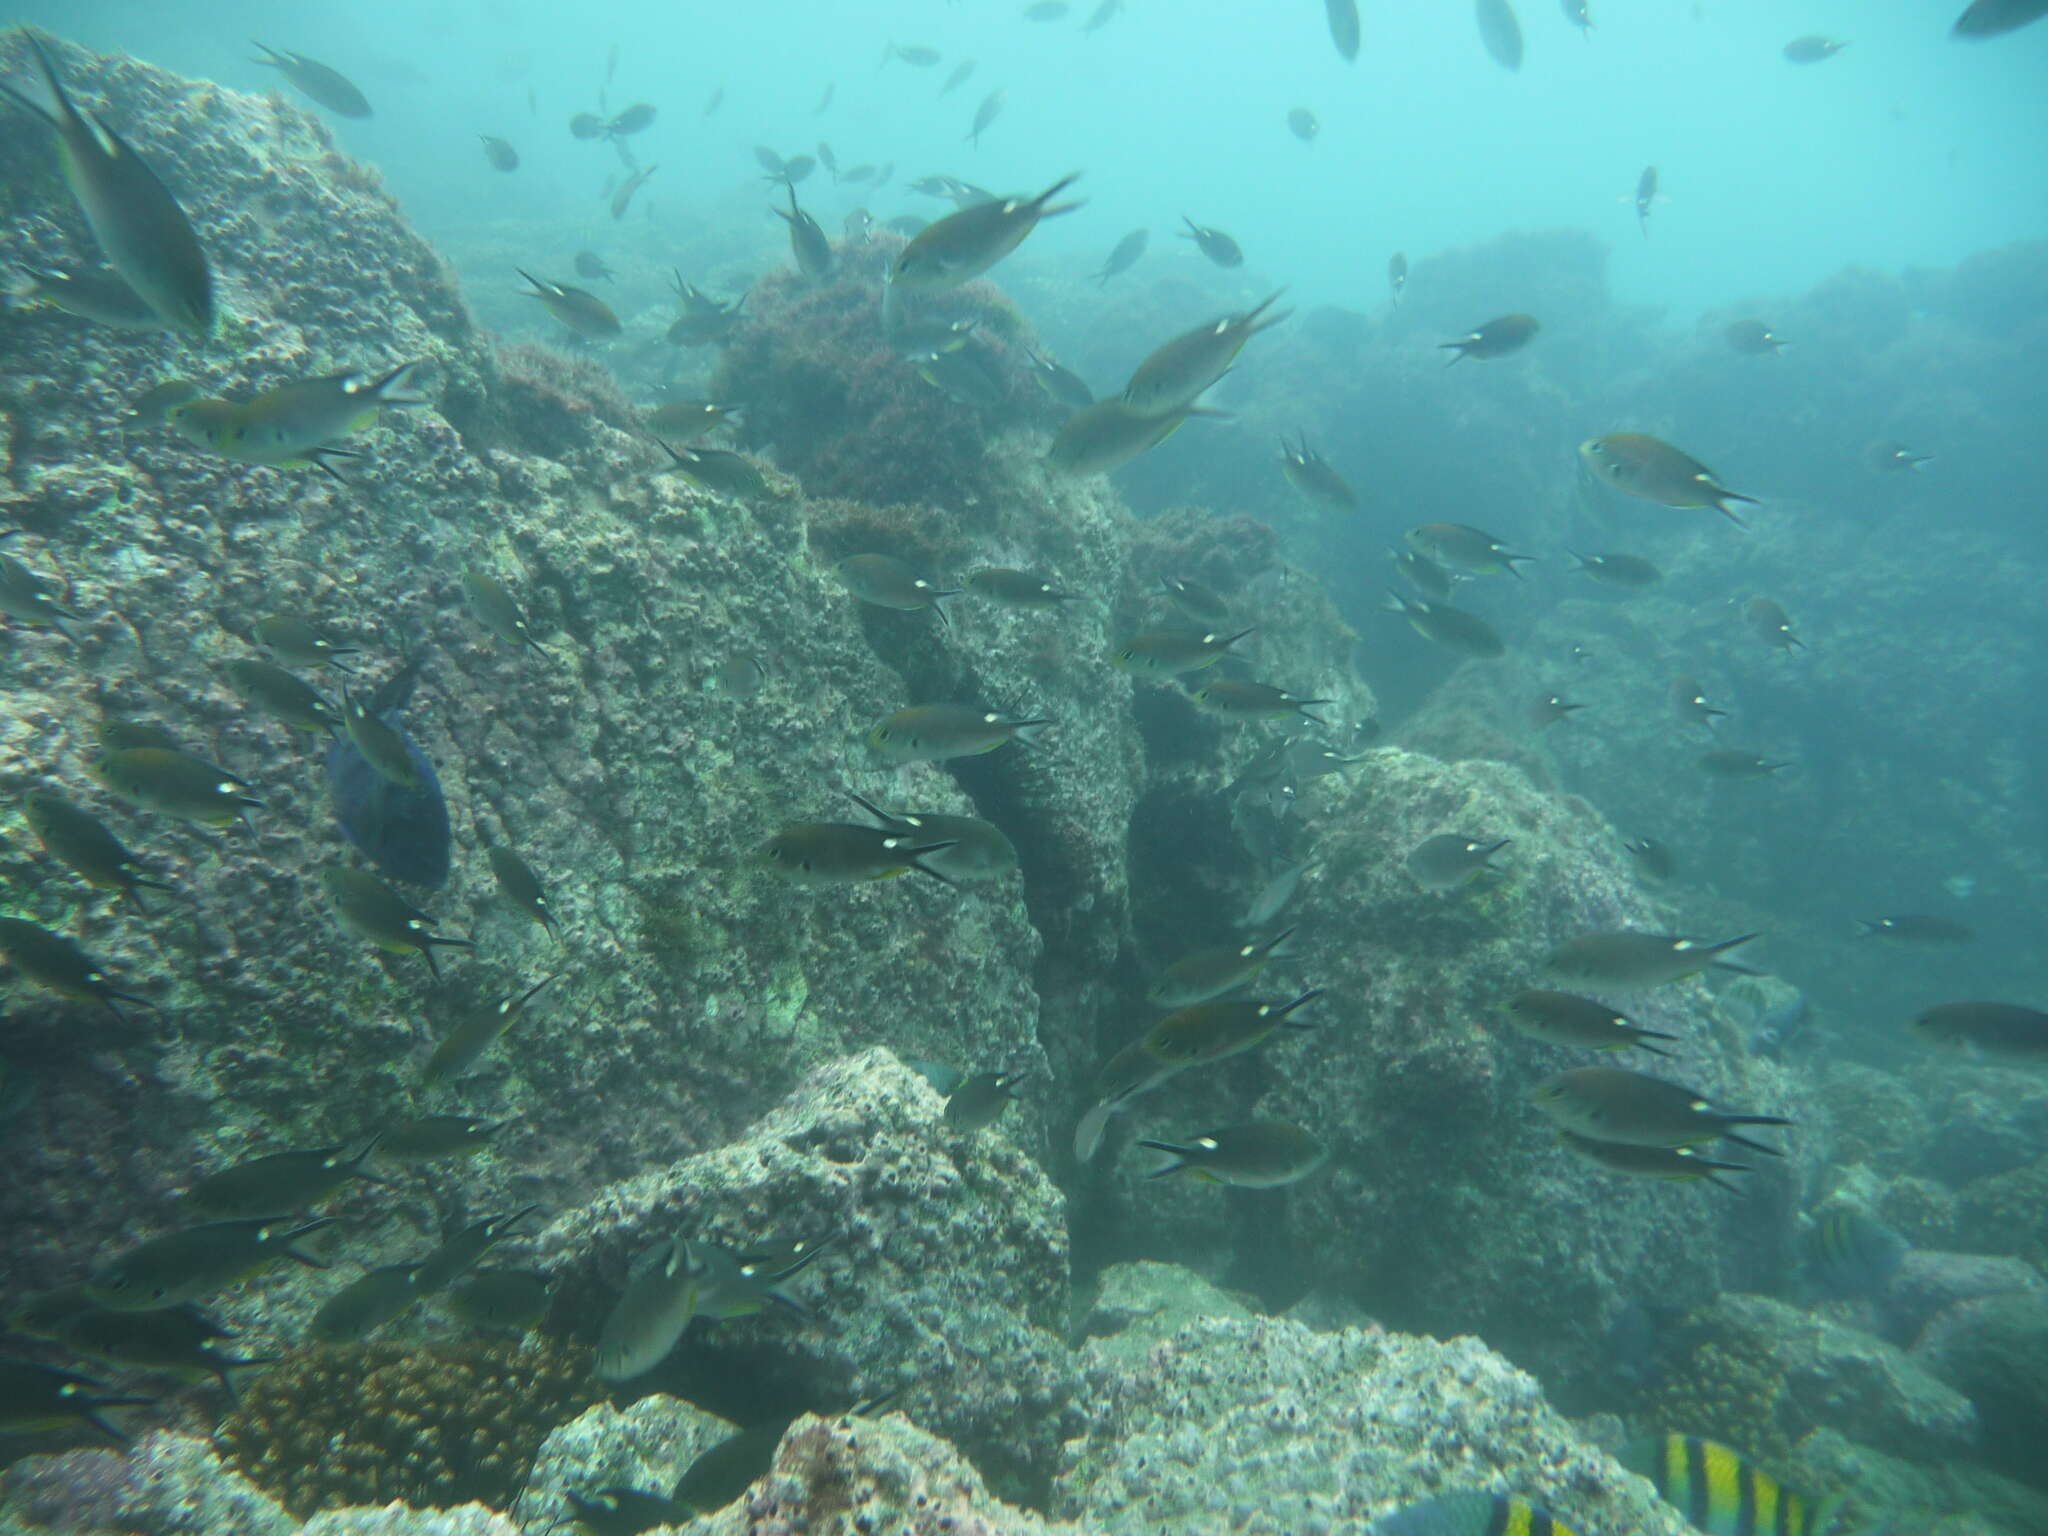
644, 1445
166, 1484
946, 1278
1261, 1427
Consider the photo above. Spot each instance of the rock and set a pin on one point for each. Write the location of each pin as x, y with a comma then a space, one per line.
1136, 1305
399, 1520
1928, 1283
1955, 1497
166, 1484
645, 1445
1261, 1427
1996, 1350
947, 1278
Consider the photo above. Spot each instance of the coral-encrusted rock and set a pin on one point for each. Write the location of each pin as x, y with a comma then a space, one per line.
1265, 1428
645, 1445
398, 1520
947, 1277
166, 1484
859, 1477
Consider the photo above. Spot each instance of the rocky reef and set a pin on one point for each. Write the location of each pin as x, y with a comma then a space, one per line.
725, 1058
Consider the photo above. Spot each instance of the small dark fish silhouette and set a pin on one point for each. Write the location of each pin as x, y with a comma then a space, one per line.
403, 832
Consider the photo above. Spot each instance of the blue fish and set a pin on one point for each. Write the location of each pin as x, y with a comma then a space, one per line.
404, 832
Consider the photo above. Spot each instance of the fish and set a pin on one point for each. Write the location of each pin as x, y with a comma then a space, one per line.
659, 1300
284, 694
1045, 10
1213, 243
1631, 572
1061, 384
155, 402
519, 885
796, 168
739, 677
985, 115
1303, 124
316, 81
1397, 274
1915, 928
1452, 628
1645, 198
1176, 373
1992, 18
122, 735
1130, 1072
1575, 13
581, 311
193, 1263
1721, 1493
1471, 1514
722, 1472
1549, 709
1310, 473
933, 733
378, 915
807, 242
592, 266
1636, 464
974, 849
1236, 699
297, 643
943, 1078
378, 741
1272, 898
366, 1304
1500, 32
1103, 15
586, 125
1812, 48
80, 842
1564, 1018
1261, 1154
917, 55
1109, 434
178, 1340
402, 830
622, 197
1122, 256
740, 1282
957, 76
136, 223
514, 1300
970, 375
1893, 458
1424, 574
1614, 1104
1775, 1029
1201, 603
1219, 968
1996, 1029
1624, 958
966, 243
980, 1100
428, 1138
690, 420
1343, 19
1851, 1253
1690, 700
1496, 338
1469, 548
35, 1397
1450, 859
491, 603
279, 1183
173, 783
1770, 623
719, 470
816, 854
1753, 338
637, 118
295, 424
858, 227
463, 1045
887, 582
1216, 1028
499, 153
52, 962
1737, 763
1673, 1165
460, 1252
1653, 860
1159, 654
103, 298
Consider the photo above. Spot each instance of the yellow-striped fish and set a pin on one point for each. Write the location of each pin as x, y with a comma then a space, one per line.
1471, 1514
1724, 1495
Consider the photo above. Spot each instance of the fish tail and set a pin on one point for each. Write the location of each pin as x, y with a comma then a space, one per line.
1744, 1141
1180, 1156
